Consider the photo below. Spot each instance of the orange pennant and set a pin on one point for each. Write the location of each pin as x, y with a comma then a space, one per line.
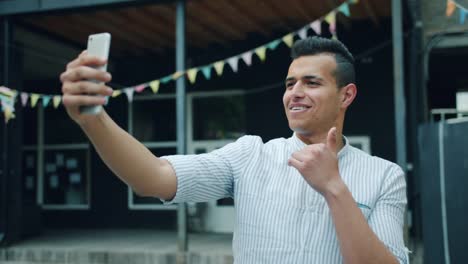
450, 8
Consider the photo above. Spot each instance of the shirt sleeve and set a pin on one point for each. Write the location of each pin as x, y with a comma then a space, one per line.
210, 176
387, 217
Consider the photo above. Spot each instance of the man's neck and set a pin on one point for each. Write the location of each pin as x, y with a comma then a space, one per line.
321, 138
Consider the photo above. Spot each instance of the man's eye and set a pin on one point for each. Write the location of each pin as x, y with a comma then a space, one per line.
313, 83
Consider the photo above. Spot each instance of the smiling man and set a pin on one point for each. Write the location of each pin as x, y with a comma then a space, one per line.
310, 198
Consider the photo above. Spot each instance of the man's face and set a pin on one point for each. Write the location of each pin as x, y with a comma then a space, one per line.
312, 99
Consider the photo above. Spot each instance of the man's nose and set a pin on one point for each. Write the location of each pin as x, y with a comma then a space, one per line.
298, 89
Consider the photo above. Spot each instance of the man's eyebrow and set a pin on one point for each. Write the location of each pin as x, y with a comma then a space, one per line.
289, 79
312, 77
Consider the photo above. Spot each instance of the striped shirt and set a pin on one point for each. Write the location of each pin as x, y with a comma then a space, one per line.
279, 217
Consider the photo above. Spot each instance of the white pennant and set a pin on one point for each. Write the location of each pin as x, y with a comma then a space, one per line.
302, 33
234, 63
24, 98
316, 26
129, 93
247, 57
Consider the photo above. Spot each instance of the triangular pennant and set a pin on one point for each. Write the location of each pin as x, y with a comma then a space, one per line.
177, 75
56, 100
247, 57
154, 86
129, 93
234, 63
344, 8
261, 52
46, 100
140, 88
331, 20
354, 1
462, 16
219, 67
34, 99
272, 45
8, 113
288, 39
7, 91
207, 72
317, 26
302, 33
166, 79
450, 8
192, 74
24, 98
116, 93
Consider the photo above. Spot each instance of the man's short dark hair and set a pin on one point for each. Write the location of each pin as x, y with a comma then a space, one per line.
344, 73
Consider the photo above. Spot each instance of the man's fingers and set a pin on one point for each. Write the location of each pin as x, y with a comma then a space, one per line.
85, 87
77, 100
85, 73
299, 155
332, 140
85, 59
295, 163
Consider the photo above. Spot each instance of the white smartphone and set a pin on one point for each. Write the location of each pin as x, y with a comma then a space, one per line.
98, 45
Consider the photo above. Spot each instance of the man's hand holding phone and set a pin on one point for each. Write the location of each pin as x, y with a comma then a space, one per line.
79, 91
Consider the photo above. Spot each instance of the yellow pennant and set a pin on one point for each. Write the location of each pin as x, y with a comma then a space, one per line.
288, 39
192, 75
56, 100
450, 8
354, 1
261, 53
219, 67
8, 114
116, 93
34, 99
154, 86
177, 75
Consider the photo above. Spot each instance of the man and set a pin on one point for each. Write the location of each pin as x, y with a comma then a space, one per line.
311, 198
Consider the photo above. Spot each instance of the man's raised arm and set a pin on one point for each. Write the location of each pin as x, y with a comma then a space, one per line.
130, 160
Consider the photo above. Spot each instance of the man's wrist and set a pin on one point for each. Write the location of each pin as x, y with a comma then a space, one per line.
335, 189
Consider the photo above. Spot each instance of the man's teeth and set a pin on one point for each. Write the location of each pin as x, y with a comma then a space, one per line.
298, 108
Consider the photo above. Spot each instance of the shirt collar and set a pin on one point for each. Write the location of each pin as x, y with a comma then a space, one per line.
299, 144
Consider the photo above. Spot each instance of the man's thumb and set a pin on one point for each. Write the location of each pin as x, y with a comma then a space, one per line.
331, 140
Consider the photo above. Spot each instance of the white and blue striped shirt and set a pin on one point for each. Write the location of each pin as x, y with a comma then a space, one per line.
280, 218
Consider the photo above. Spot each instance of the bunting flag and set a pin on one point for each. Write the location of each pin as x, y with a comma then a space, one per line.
331, 20
302, 33
154, 86
24, 98
462, 11
8, 96
462, 16
274, 44
344, 8
247, 57
129, 93
207, 72
234, 63
116, 93
288, 39
166, 79
56, 100
34, 98
46, 100
192, 75
219, 67
261, 53
317, 26
140, 88
450, 8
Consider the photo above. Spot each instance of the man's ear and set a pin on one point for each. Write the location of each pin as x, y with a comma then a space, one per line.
348, 93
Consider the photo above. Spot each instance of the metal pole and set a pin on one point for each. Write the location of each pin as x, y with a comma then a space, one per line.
399, 91
180, 112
